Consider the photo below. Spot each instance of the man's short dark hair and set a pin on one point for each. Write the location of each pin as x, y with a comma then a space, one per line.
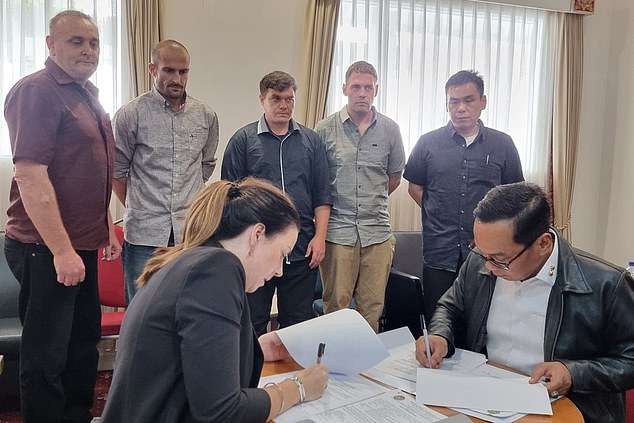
361, 67
278, 81
526, 204
464, 77
156, 51
68, 13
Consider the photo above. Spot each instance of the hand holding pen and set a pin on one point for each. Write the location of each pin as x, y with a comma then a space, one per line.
431, 351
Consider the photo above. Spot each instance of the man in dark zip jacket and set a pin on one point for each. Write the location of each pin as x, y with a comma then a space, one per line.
279, 149
529, 300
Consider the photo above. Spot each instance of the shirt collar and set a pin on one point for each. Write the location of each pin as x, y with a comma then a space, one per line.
453, 132
166, 104
548, 272
343, 115
264, 127
62, 78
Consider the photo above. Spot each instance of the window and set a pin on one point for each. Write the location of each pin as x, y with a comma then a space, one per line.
23, 28
417, 44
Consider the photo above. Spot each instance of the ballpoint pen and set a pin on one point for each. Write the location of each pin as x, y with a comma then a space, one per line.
320, 351
426, 337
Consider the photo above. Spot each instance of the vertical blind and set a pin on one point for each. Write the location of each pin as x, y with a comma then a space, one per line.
23, 28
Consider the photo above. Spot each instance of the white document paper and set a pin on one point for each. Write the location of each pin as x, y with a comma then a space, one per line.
342, 390
390, 407
463, 361
396, 337
451, 389
402, 363
351, 344
495, 416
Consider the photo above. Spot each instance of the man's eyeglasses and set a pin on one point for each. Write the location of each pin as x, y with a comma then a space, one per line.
496, 263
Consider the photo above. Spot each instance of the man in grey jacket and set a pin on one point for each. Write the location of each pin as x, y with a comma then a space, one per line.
530, 301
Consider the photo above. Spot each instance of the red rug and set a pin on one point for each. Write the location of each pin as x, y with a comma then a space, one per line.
9, 413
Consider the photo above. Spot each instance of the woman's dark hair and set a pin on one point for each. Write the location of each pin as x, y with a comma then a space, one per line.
223, 210
526, 204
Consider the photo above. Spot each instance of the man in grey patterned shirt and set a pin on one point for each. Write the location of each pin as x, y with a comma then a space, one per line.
166, 144
366, 157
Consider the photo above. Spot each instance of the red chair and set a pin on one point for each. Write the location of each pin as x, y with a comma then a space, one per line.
629, 406
111, 290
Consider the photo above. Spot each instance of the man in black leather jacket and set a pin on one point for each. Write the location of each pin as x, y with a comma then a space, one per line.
529, 300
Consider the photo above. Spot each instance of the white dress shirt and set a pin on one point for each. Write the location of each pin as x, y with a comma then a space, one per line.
517, 317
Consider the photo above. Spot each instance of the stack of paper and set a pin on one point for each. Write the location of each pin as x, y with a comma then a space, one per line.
452, 389
401, 368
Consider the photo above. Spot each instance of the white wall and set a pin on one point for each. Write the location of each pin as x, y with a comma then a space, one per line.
602, 206
233, 44
619, 125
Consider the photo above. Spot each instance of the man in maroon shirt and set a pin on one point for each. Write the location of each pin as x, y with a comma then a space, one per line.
62, 146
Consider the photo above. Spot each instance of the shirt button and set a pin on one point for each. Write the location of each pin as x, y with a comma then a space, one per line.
462, 228
462, 195
462, 211
464, 177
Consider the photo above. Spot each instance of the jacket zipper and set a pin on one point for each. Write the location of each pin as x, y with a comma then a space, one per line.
286, 259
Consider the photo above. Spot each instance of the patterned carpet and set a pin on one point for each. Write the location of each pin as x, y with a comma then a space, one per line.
9, 412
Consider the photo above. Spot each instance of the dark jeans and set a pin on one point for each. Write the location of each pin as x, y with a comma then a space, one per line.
435, 283
61, 328
295, 290
134, 257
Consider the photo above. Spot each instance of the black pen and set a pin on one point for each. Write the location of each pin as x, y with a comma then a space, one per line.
320, 351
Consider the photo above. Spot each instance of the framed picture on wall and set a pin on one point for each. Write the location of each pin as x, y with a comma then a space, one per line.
586, 6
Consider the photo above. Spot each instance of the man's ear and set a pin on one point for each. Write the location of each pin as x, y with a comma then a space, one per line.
544, 242
50, 43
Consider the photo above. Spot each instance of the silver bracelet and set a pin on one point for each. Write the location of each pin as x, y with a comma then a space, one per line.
300, 388
281, 394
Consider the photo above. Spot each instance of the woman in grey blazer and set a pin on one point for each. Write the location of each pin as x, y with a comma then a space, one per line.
187, 350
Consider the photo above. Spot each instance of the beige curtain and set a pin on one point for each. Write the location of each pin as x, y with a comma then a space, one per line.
404, 212
143, 33
566, 111
319, 43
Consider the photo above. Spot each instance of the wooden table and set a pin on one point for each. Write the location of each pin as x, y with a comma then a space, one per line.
564, 411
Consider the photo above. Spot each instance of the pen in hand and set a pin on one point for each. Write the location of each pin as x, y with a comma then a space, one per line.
426, 337
320, 351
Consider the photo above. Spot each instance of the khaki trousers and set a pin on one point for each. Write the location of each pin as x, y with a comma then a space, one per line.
359, 272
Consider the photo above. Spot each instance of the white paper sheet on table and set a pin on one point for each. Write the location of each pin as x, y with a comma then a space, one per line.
402, 363
451, 389
390, 407
396, 337
342, 390
351, 344
497, 416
